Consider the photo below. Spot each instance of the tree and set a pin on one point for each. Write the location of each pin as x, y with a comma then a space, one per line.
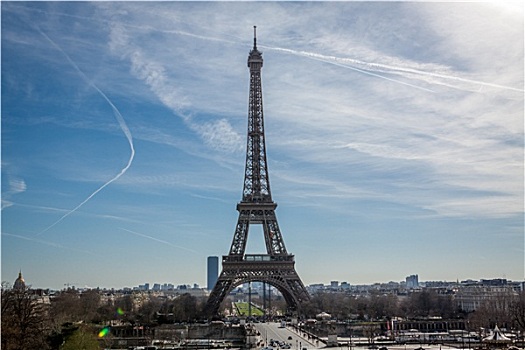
24, 322
81, 339
382, 306
66, 307
147, 312
502, 309
185, 308
517, 310
429, 303
89, 303
338, 305
126, 305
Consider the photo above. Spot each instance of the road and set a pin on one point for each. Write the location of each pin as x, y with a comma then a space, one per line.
272, 330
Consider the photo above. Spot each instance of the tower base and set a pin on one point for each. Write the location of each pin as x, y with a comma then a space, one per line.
276, 270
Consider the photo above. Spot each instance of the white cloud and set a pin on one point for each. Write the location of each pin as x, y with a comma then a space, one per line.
218, 134
16, 185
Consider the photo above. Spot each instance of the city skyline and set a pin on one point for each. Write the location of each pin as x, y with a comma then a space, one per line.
410, 282
394, 135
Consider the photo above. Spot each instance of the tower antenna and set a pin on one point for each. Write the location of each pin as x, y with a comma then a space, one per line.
255, 37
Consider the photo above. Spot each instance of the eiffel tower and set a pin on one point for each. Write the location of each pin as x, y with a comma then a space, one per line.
277, 266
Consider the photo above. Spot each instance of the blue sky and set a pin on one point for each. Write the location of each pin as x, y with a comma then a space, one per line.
394, 135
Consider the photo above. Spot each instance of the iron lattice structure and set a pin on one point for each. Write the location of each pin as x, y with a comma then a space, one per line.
277, 266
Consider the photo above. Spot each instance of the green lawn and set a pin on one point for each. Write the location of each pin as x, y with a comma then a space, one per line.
243, 310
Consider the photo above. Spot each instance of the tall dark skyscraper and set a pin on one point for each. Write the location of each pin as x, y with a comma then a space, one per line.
213, 271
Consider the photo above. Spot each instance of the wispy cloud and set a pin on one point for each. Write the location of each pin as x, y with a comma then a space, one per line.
120, 120
217, 134
16, 185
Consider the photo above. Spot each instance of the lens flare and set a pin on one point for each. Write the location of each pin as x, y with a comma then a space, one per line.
120, 311
103, 332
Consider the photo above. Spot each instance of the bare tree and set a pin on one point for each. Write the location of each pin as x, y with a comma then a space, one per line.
429, 303
66, 307
24, 321
382, 306
89, 303
517, 310
185, 308
146, 313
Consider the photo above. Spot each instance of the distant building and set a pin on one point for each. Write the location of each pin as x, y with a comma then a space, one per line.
412, 282
213, 271
471, 297
345, 285
167, 287
496, 282
144, 287
19, 282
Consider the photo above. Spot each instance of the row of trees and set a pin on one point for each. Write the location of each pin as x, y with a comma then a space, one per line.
72, 318
379, 306
506, 309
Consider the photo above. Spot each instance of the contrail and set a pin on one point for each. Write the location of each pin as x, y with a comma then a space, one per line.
157, 240
118, 117
378, 67
369, 73
55, 245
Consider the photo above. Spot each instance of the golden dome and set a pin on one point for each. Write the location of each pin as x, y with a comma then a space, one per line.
19, 282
